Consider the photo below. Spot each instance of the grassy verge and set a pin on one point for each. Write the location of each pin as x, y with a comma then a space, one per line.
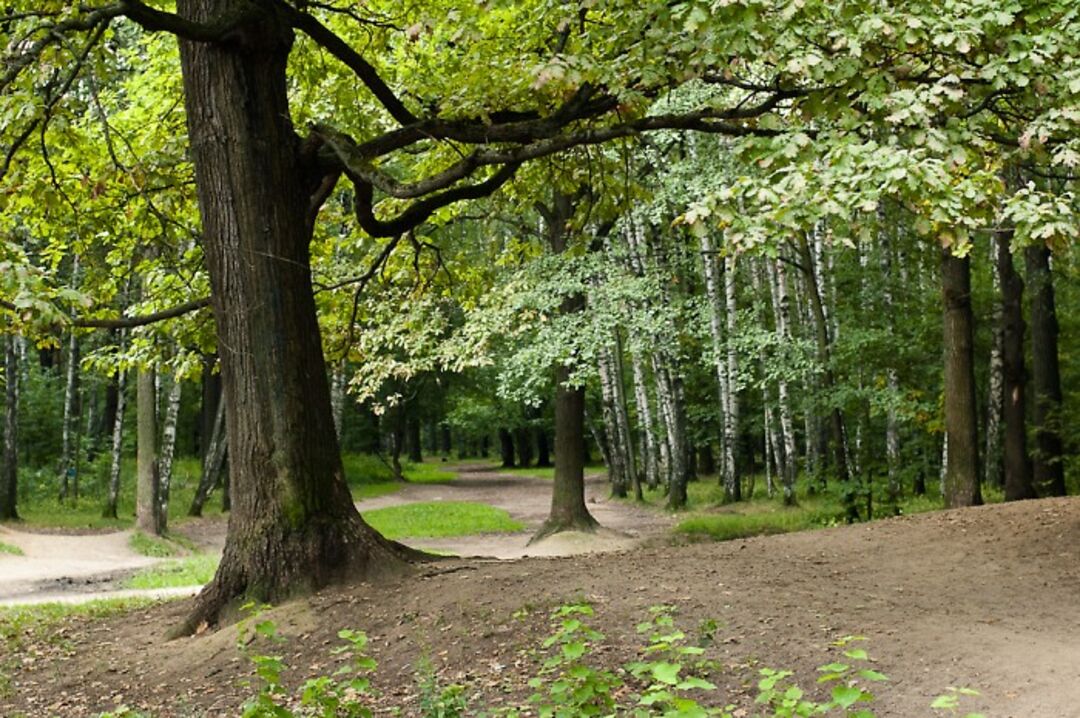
160, 546
709, 517
194, 570
9, 549
440, 518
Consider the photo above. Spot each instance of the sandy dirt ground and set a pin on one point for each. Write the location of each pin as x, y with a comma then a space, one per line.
985, 598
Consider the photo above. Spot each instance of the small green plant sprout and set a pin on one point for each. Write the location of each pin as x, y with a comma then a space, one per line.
663, 673
339, 695
567, 686
437, 701
950, 702
788, 699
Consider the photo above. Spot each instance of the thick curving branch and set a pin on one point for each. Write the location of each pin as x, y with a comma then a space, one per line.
419, 211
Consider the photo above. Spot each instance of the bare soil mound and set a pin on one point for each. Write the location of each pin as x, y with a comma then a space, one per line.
984, 598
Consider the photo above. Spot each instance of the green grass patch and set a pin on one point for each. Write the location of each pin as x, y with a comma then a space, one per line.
160, 546
369, 476
440, 518
9, 549
194, 570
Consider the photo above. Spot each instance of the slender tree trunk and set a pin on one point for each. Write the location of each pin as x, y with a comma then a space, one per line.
618, 474
71, 419
892, 379
836, 418
961, 478
622, 417
213, 461
993, 469
506, 446
782, 316
1046, 374
732, 478
9, 480
649, 448
710, 258
148, 477
117, 444
1018, 484
168, 449
337, 397
293, 525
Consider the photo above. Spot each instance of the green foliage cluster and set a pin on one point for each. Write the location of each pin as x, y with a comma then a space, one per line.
667, 681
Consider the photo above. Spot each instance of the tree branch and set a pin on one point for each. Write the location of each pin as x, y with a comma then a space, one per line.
327, 39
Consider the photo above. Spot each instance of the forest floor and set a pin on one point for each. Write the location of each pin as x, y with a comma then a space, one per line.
983, 598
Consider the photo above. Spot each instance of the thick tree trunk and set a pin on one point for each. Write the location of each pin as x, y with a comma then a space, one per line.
568, 510
506, 448
213, 461
961, 477
1046, 374
9, 480
168, 450
293, 526
1016, 461
148, 478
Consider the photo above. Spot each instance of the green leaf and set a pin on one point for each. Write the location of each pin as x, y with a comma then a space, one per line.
845, 696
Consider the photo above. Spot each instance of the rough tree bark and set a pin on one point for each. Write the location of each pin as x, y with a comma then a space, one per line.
1017, 463
293, 525
961, 478
148, 478
9, 480
1045, 374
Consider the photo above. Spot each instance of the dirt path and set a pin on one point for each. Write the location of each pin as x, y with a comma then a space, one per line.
76, 568
984, 598
528, 500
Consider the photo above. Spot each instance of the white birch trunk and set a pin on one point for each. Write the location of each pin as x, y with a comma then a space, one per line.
732, 488
168, 449
117, 444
